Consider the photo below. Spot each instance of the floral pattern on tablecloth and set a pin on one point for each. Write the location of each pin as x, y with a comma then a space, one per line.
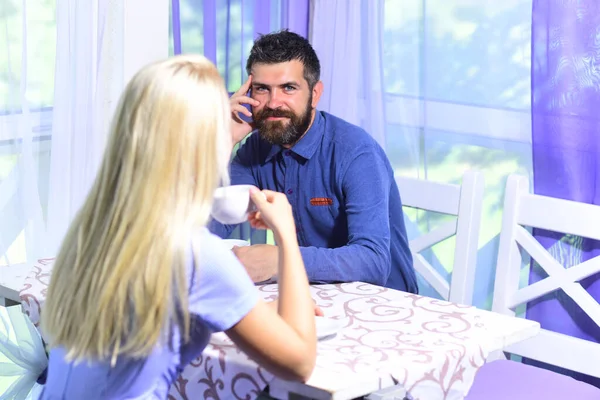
425, 344
34, 290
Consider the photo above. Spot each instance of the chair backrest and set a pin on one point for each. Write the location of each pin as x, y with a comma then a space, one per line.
522, 209
463, 201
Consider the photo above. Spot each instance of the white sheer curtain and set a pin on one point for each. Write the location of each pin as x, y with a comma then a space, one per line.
60, 76
88, 81
347, 38
27, 55
454, 95
63, 65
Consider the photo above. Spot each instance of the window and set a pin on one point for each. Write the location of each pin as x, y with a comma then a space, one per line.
457, 79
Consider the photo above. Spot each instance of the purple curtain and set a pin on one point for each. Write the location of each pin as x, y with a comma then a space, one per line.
566, 140
266, 16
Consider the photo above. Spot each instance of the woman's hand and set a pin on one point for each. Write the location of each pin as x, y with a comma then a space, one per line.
274, 212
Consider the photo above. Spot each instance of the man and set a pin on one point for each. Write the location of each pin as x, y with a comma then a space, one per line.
338, 180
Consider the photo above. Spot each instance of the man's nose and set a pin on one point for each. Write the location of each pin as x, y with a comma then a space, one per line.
275, 100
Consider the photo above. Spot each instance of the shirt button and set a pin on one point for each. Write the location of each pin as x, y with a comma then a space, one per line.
288, 153
290, 191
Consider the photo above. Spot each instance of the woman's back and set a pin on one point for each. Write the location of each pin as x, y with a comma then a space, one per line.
220, 295
127, 308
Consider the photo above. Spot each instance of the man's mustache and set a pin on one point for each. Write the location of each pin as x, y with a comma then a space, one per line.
275, 113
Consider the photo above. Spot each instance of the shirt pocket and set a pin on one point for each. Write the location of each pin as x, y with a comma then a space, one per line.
324, 210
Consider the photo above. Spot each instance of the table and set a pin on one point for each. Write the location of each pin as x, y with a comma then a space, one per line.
430, 347
12, 278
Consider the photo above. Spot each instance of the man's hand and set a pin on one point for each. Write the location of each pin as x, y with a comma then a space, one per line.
240, 128
259, 260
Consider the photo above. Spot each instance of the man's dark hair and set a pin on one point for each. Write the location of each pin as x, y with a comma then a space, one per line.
284, 46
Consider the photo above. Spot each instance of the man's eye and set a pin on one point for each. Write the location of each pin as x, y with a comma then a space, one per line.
289, 88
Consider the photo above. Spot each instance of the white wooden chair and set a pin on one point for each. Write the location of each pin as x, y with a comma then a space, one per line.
22, 353
514, 380
463, 201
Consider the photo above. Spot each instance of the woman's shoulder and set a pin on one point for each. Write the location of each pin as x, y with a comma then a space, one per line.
221, 291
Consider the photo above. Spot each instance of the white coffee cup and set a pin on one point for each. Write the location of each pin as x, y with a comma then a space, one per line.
232, 204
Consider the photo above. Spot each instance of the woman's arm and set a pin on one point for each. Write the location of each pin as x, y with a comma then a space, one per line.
284, 342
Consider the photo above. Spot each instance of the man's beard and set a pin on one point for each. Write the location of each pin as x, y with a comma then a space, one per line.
283, 132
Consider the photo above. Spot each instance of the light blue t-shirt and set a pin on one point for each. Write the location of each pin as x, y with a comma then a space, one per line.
221, 293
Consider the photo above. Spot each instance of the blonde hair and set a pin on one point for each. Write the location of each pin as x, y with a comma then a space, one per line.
120, 278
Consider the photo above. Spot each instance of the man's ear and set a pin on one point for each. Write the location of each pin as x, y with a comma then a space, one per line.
317, 91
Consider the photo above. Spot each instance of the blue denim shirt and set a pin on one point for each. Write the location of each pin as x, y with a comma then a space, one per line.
345, 201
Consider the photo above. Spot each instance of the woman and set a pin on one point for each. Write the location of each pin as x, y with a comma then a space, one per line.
139, 283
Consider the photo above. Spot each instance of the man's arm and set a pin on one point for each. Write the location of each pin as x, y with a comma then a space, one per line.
366, 185
241, 170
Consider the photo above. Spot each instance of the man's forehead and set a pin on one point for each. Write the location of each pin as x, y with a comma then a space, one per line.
273, 74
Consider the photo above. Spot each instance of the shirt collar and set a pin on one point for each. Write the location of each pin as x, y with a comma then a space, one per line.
306, 146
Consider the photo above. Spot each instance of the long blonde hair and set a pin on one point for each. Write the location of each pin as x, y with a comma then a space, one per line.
120, 279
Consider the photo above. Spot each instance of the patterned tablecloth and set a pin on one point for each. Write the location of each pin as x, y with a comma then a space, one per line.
432, 348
